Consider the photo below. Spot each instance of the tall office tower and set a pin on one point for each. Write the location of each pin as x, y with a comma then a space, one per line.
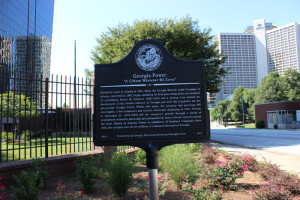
261, 49
5, 58
239, 48
283, 45
26, 28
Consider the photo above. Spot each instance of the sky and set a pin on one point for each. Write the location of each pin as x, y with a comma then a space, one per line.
86, 20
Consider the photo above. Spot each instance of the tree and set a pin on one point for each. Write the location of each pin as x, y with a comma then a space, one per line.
271, 89
249, 99
183, 38
291, 85
17, 106
236, 104
65, 106
222, 111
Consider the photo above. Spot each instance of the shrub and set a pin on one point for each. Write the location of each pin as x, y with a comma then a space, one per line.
208, 155
2, 190
260, 124
31, 182
88, 171
201, 191
287, 183
275, 126
26, 135
194, 146
179, 162
269, 170
41, 169
249, 161
62, 193
7, 136
142, 184
140, 156
119, 170
27, 186
271, 192
223, 175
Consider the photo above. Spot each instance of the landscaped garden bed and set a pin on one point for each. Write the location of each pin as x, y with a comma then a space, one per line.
192, 171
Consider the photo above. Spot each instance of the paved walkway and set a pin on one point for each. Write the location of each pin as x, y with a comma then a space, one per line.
287, 157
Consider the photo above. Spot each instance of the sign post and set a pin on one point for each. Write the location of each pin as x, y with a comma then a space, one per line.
152, 165
150, 99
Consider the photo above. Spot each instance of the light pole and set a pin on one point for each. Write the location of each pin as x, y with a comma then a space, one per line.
243, 111
75, 103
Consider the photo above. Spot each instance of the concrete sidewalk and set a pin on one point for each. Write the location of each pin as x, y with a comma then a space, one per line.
286, 161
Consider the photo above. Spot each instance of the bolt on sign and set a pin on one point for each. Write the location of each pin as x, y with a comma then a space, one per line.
150, 96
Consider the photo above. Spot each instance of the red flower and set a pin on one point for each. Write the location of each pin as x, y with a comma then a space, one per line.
146, 176
3, 193
55, 192
2, 186
159, 178
80, 192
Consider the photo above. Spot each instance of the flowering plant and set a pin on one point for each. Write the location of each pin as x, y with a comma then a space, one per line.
201, 190
142, 184
224, 174
2, 190
61, 193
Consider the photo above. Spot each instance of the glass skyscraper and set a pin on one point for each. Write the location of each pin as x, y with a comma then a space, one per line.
25, 40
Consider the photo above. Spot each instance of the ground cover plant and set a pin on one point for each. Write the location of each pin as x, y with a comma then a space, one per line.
224, 176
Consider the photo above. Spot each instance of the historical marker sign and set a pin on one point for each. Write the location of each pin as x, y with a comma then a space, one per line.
150, 96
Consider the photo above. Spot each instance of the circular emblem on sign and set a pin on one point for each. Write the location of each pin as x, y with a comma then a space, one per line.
148, 57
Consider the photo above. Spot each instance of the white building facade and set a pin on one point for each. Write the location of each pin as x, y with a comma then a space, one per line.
261, 49
239, 48
283, 45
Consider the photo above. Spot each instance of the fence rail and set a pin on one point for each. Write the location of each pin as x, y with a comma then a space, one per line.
43, 117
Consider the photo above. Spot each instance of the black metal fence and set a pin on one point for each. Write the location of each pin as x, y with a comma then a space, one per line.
43, 117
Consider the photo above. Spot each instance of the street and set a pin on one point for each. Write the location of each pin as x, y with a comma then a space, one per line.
281, 147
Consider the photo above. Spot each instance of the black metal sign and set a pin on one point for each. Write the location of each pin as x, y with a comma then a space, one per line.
149, 96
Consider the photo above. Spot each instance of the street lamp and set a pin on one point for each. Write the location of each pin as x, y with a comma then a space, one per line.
75, 103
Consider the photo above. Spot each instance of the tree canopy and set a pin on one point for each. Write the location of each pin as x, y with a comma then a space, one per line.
291, 84
275, 88
183, 38
17, 106
270, 89
221, 111
237, 104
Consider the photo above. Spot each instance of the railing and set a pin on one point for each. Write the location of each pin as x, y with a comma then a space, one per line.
39, 118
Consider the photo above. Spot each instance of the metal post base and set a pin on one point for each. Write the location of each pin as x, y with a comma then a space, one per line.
153, 184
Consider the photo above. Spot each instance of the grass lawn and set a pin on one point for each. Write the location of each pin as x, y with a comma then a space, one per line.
36, 148
246, 126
